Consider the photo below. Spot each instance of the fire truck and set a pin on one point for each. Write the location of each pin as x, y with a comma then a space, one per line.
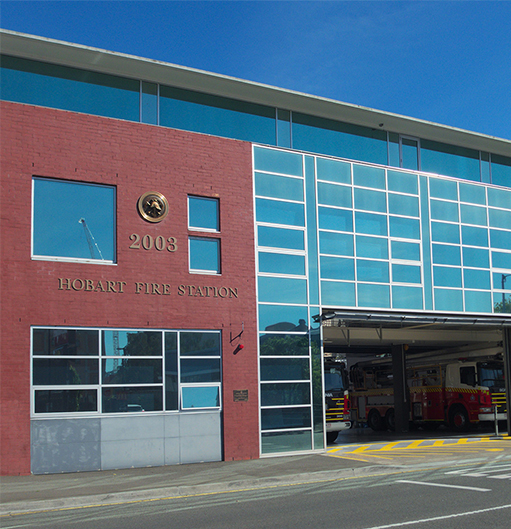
457, 393
337, 405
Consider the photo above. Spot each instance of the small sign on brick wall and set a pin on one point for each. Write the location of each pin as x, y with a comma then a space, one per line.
240, 395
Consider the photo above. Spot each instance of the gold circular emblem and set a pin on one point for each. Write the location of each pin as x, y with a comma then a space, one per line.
153, 206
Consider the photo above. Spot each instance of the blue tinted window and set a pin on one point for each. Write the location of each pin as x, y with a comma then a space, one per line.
285, 394
338, 294
85, 226
476, 279
499, 198
405, 250
500, 218
476, 258
297, 441
373, 296
201, 397
473, 215
501, 173
444, 210
277, 263
372, 271
447, 277
500, 239
268, 185
149, 103
49, 85
450, 160
284, 368
406, 297
220, 116
285, 344
502, 281
448, 299
502, 303
406, 274
334, 195
283, 128
370, 200
272, 419
449, 255
478, 301
280, 238
403, 205
203, 213
446, 189
472, 194
370, 224
274, 161
337, 268
204, 255
200, 370
335, 243
402, 182
282, 290
335, 219
276, 212
501, 260
372, 247
281, 317
333, 170
404, 228
441, 232
474, 236
367, 176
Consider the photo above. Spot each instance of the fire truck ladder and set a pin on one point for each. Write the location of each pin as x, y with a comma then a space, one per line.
90, 239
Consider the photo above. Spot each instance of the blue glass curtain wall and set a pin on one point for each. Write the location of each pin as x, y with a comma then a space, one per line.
55, 86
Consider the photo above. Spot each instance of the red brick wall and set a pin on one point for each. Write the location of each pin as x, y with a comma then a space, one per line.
135, 158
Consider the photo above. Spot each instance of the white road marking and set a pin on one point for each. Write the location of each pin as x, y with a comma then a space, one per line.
477, 489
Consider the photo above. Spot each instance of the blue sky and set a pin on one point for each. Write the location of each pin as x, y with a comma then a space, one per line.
442, 61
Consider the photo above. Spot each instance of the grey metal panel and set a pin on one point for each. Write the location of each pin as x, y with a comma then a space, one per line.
172, 451
65, 445
201, 437
172, 426
129, 426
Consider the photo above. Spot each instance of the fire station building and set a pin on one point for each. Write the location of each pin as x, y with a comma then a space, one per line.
179, 250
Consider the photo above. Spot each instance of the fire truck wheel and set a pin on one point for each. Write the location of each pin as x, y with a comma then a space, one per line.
375, 421
458, 419
331, 437
390, 420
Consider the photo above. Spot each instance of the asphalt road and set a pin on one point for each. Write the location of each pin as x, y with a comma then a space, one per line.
467, 497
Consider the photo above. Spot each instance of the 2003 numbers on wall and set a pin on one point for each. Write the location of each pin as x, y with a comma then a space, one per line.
148, 242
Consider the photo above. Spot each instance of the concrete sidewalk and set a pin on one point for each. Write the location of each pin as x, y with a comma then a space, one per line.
63, 491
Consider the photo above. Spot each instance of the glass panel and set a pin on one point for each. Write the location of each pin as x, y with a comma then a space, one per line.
449, 255
268, 185
337, 268
335, 219
402, 182
474, 236
343, 140
478, 301
372, 247
367, 176
200, 370
446, 189
203, 213
149, 103
500, 219
282, 318
274, 161
500, 239
404, 228
283, 128
201, 397
407, 298
373, 271
473, 215
502, 303
393, 149
485, 167
85, 226
501, 260
284, 369
444, 210
171, 376
426, 249
49, 85
131, 371
409, 153
334, 195
502, 281
131, 343
476, 279
406, 274
334, 293
403, 205
333, 170
317, 389
280, 238
450, 160
373, 296
276, 263
441, 232
370, 224
199, 343
281, 418
499, 198
450, 300
282, 290
65, 371
335, 243
312, 230
286, 442
370, 200
220, 116
476, 258
65, 342
472, 194
66, 400
205, 255
284, 345
285, 394
275, 212
407, 251
501, 173
447, 277
129, 400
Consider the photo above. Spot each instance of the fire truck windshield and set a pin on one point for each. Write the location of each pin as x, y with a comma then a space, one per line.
491, 375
